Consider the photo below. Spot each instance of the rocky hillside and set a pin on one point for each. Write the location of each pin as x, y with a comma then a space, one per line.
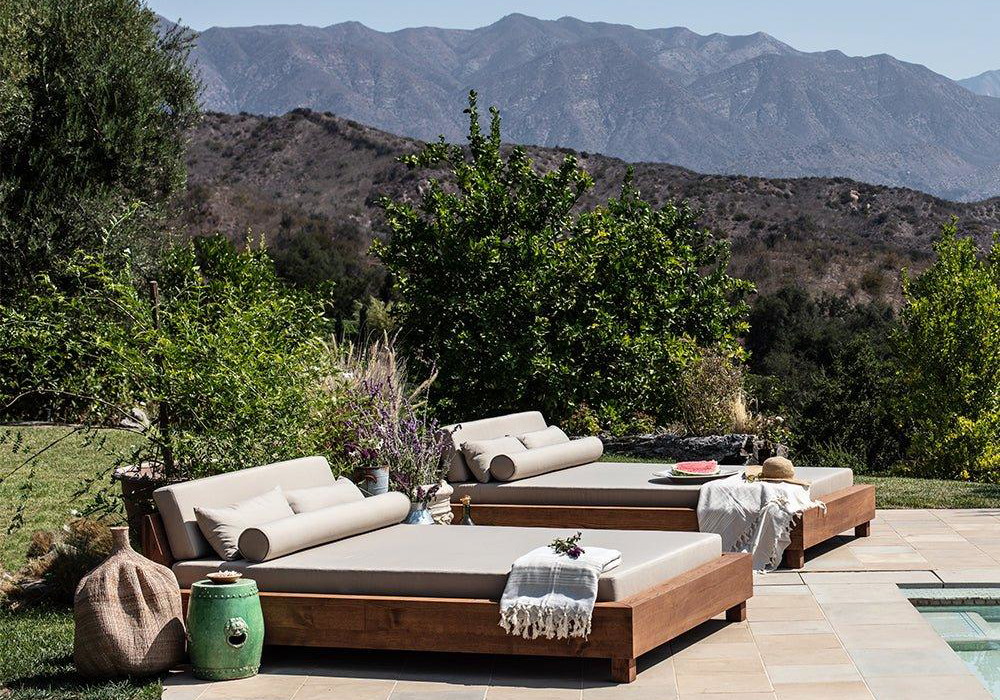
728, 104
306, 172
987, 83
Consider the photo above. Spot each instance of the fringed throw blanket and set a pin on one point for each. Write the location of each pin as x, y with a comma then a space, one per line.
755, 517
551, 595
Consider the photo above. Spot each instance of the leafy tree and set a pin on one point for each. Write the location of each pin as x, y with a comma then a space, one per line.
825, 366
948, 349
519, 302
93, 105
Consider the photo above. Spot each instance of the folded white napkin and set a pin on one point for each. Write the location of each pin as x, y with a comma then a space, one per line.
551, 595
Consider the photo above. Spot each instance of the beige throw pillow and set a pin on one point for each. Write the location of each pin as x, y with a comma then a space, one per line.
552, 435
479, 454
222, 527
341, 491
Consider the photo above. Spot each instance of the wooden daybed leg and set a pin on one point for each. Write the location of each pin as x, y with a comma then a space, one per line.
795, 558
623, 670
737, 613
863, 530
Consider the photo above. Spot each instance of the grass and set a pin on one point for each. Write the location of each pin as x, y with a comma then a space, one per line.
49, 484
36, 662
36, 646
907, 492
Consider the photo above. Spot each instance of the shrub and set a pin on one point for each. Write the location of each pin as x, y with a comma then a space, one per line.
948, 352
94, 102
519, 303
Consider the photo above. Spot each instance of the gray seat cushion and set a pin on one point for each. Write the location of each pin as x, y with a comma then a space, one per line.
460, 562
619, 484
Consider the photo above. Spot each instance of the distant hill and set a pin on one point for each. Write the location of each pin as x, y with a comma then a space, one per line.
310, 172
987, 83
726, 104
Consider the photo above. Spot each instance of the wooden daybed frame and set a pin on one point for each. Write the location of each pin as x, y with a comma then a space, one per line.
853, 507
622, 630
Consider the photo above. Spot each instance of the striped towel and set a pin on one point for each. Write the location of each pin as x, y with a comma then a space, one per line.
551, 595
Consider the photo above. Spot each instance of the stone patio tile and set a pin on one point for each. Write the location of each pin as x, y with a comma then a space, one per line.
919, 635
813, 673
320, 688
978, 575
786, 627
777, 578
886, 613
730, 696
723, 683
855, 593
266, 686
965, 687
632, 691
415, 690
925, 539
909, 662
842, 690
841, 558
789, 590
182, 692
800, 600
736, 650
518, 693
825, 577
904, 555
720, 667
790, 613
802, 649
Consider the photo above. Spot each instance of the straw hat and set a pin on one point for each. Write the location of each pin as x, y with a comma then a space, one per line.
775, 469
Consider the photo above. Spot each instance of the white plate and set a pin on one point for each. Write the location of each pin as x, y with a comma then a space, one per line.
695, 478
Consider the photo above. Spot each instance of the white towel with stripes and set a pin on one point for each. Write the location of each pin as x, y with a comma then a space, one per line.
552, 595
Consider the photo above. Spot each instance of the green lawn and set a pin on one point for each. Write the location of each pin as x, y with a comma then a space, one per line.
36, 646
906, 492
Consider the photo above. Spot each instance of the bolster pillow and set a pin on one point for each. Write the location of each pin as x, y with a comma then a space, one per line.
304, 530
542, 460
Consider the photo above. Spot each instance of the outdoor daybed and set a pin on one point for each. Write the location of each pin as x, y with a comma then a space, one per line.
582, 492
436, 587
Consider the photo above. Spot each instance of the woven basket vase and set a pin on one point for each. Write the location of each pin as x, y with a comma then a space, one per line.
128, 616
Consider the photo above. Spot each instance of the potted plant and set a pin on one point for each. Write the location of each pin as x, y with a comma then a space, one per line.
414, 450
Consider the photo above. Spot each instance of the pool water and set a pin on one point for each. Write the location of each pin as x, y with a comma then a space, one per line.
973, 631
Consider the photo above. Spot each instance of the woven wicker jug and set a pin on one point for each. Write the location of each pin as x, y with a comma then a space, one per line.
128, 616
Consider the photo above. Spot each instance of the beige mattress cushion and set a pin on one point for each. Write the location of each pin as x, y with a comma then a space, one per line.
487, 429
176, 503
619, 484
343, 490
222, 527
461, 562
541, 460
304, 530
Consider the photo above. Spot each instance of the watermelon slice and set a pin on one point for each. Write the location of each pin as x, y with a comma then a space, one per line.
707, 468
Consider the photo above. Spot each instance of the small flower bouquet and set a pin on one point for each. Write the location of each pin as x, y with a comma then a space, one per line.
569, 546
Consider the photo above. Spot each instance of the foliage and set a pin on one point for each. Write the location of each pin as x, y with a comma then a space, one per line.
378, 418
948, 348
58, 560
518, 302
825, 366
36, 662
712, 399
228, 374
93, 105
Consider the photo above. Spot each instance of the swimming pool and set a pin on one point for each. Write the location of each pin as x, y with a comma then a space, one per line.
971, 628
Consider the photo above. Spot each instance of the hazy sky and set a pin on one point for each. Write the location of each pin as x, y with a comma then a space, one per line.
958, 38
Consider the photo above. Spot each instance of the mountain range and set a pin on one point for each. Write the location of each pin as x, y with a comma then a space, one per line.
309, 182
748, 105
987, 83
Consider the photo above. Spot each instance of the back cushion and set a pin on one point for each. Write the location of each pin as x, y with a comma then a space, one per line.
487, 429
341, 491
222, 527
176, 503
479, 453
543, 438
304, 530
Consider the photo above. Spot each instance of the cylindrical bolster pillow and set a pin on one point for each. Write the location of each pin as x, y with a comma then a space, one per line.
304, 530
542, 460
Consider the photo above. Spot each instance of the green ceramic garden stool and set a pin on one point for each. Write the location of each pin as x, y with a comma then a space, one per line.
225, 630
